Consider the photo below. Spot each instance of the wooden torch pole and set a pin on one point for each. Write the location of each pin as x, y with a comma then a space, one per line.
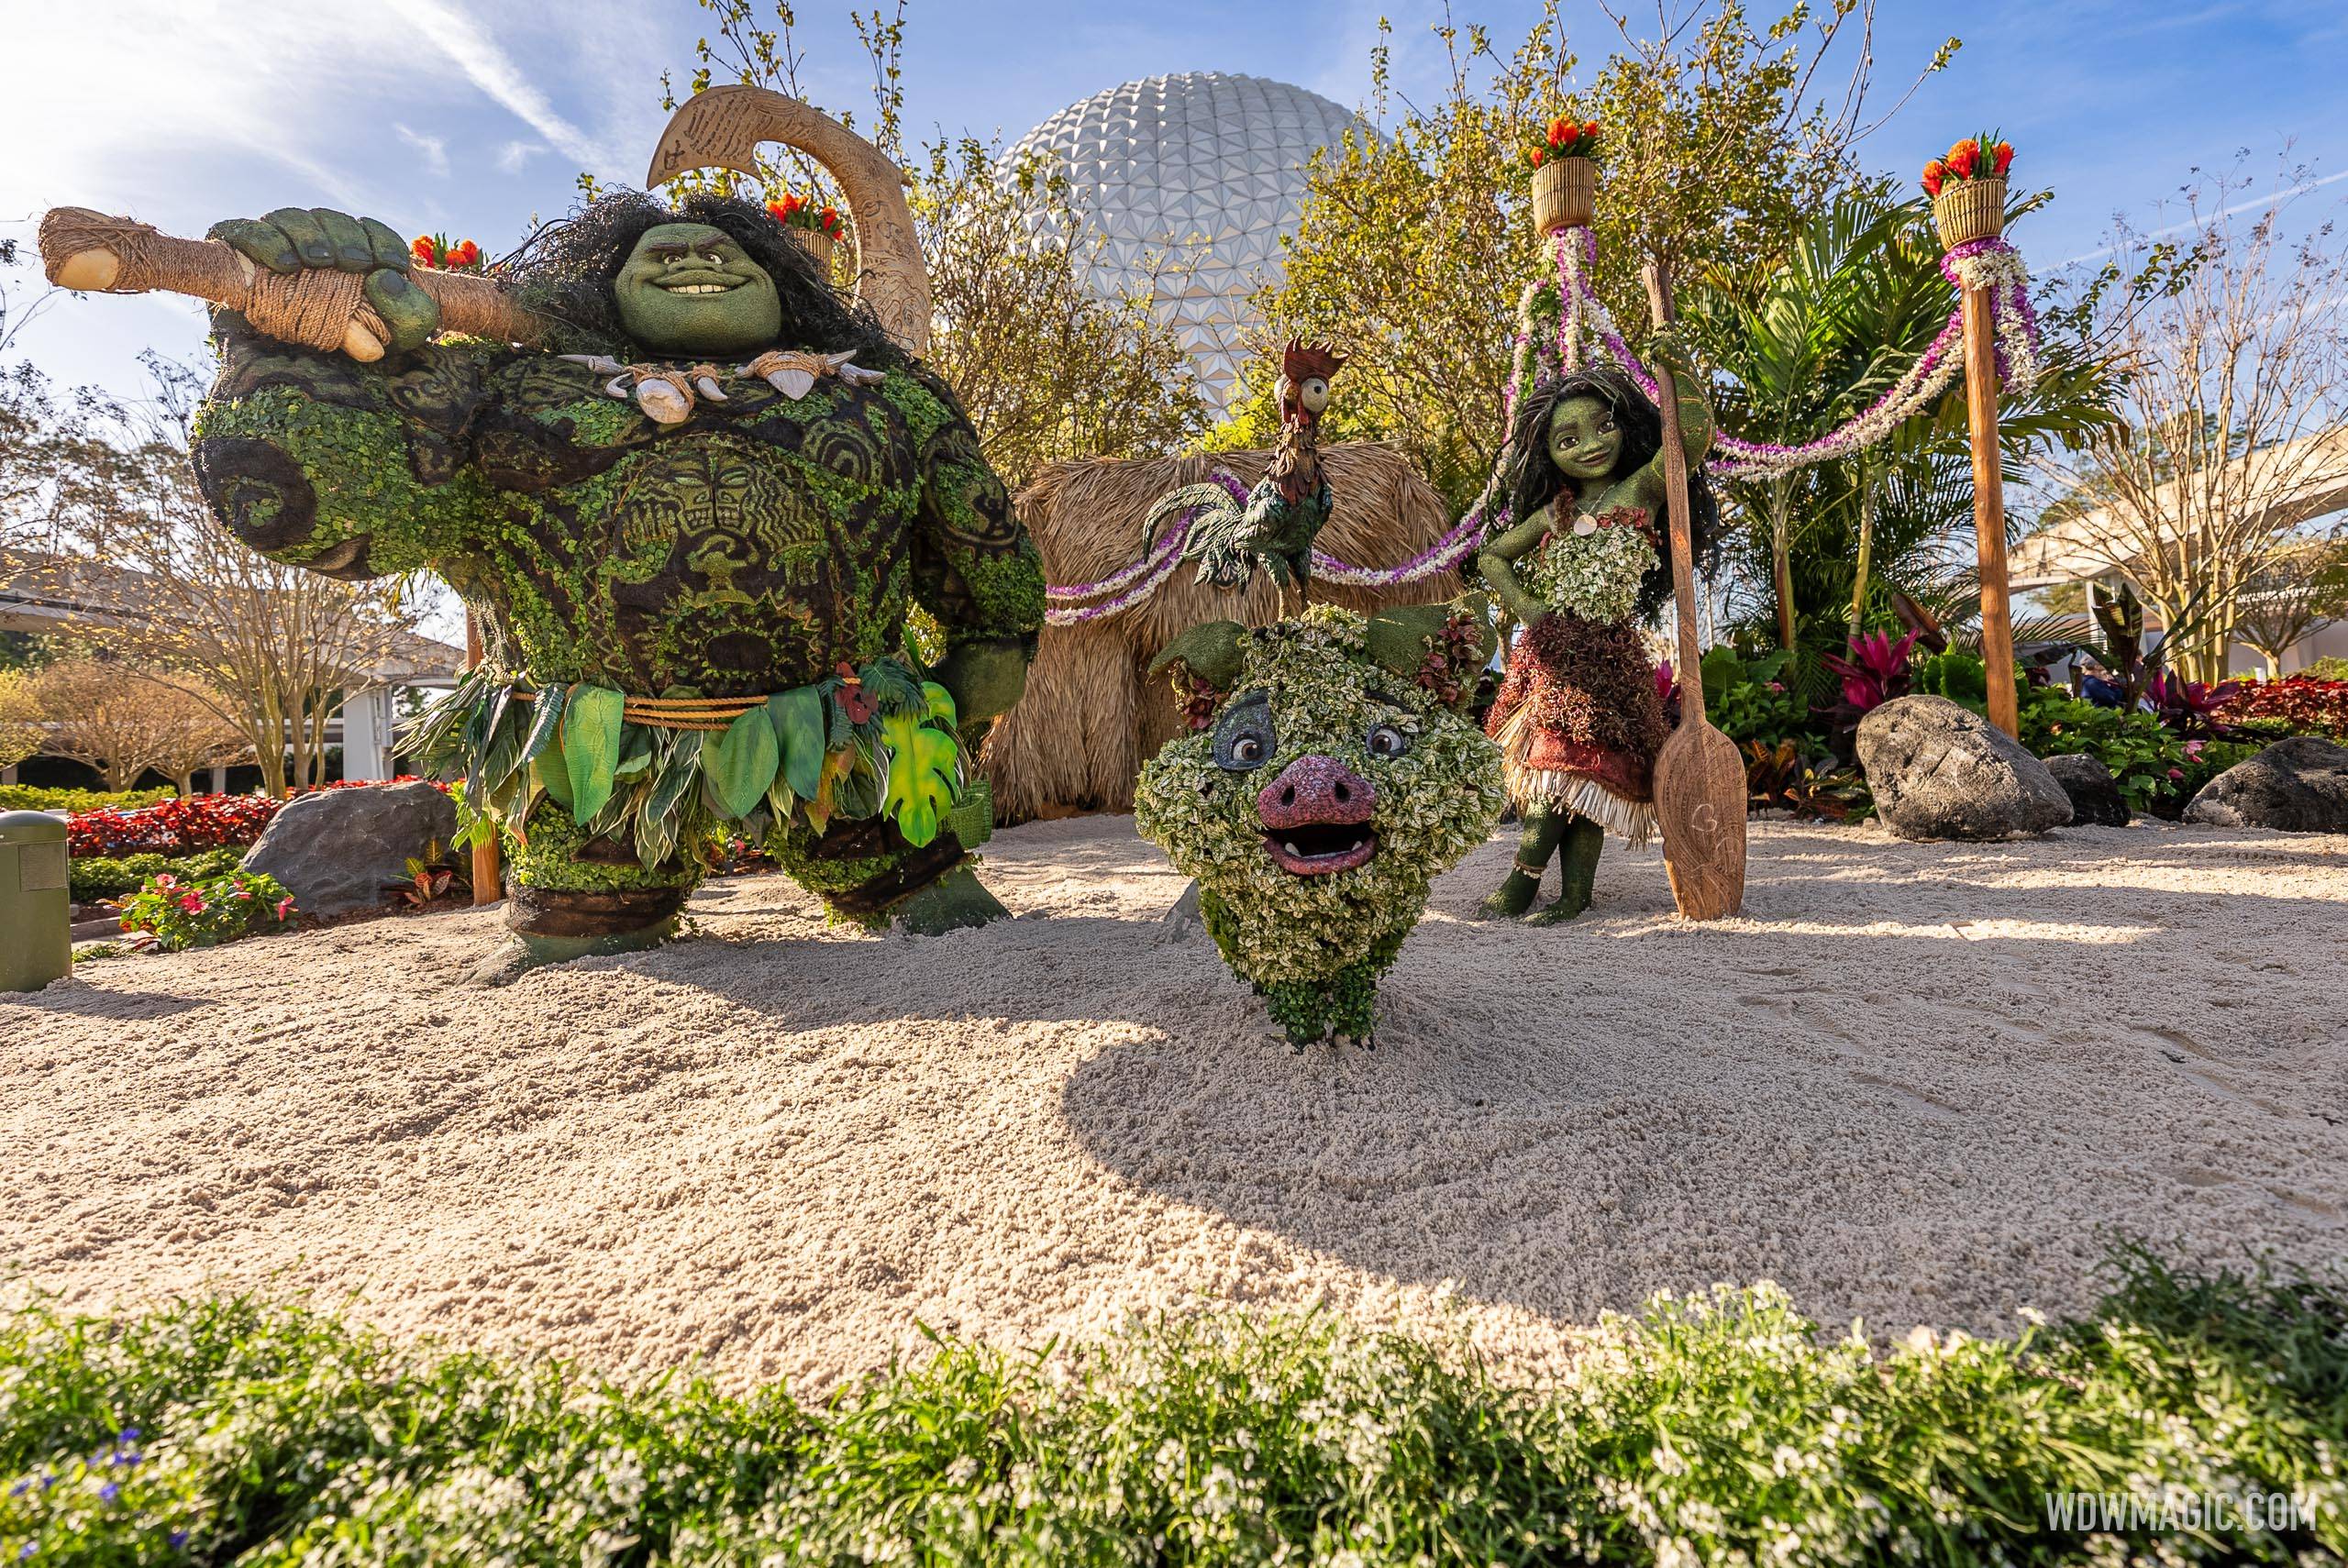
1989, 509
487, 876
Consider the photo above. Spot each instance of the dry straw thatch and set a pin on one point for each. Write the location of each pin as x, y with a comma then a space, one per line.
1092, 716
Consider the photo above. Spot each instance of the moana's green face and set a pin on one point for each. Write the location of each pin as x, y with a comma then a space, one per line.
689, 288
1584, 439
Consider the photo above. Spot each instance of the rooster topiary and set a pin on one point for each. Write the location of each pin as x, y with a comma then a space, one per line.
1274, 528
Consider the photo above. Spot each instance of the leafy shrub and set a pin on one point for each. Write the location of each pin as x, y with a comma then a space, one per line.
2147, 758
181, 915
34, 798
1721, 1428
1745, 700
2331, 667
1956, 674
105, 878
2294, 705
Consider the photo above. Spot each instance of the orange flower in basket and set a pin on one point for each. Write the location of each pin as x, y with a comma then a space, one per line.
1562, 132
2004, 155
422, 250
831, 216
1934, 173
1539, 153
1590, 131
1964, 158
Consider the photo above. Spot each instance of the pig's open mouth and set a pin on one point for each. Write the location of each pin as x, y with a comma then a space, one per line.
1315, 849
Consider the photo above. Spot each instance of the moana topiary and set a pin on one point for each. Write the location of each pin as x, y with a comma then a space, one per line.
1330, 776
1577, 716
694, 517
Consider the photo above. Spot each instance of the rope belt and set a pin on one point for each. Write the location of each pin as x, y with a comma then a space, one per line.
707, 714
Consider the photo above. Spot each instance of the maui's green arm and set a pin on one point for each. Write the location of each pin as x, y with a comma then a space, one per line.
974, 566
1493, 560
351, 471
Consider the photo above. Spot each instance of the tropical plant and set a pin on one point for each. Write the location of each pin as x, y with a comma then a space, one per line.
178, 915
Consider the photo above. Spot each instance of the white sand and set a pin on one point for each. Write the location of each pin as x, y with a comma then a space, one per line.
1911, 1085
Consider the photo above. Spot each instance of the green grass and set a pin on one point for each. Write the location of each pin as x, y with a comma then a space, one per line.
1715, 1429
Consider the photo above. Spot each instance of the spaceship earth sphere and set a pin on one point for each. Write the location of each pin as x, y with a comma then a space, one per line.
1201, 168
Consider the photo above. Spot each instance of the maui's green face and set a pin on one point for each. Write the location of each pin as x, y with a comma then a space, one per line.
689, 288
1584, 439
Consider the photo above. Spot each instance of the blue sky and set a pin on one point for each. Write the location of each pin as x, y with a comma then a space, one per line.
471, 116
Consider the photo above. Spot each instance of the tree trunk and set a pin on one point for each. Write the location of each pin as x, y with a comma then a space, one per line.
1867, 546
1781, 571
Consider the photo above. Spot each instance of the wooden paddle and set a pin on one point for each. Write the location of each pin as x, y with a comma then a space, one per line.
1698, 776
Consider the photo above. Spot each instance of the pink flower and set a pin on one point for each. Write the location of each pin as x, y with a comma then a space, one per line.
192, 903
285, 906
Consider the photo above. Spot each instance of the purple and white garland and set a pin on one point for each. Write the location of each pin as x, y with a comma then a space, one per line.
1583, 321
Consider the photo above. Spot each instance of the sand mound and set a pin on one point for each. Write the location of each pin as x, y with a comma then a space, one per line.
1912, 1084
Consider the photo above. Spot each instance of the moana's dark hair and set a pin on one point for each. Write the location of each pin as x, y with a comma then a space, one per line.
1537, 480
566, 270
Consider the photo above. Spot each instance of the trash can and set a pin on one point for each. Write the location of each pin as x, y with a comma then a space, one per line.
36, 939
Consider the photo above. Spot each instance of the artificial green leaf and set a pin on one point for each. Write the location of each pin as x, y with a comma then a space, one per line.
550, 771
591, 747
676, 774
921, 775
741, 763
797, 719
546, 718
941, 702
636, 751
889, 687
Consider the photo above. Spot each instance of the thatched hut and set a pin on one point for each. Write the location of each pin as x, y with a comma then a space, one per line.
1090, 717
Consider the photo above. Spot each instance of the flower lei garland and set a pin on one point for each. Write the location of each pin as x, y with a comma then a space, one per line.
1989, 264
1585, 325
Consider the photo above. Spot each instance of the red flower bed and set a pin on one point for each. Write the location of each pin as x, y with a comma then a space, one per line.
2310, 707
184, 825
173, 827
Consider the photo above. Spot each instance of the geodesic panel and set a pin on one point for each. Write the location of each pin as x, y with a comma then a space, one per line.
1202, 168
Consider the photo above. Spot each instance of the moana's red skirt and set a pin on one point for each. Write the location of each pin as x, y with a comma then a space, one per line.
1578, 722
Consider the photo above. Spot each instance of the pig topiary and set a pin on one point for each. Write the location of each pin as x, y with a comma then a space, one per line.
1330, 776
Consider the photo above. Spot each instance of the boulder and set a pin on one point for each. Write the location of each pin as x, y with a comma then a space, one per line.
2299, 784
2095, 795
340, 850
1942, 771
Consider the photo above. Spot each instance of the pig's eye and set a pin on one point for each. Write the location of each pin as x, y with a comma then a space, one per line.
1386, 740
1245, 741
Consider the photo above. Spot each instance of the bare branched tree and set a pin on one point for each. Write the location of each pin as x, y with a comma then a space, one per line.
271, 649
2235, 366
102, 711
2292, 588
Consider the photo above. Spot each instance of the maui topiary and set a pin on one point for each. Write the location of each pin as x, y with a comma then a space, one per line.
694, 539
1330, 776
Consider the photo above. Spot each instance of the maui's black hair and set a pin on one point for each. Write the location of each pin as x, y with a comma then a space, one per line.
566, 270
1536, 479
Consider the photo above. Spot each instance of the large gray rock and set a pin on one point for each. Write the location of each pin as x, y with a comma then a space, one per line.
1942, 771
2094, 794
2299, 784
338, 850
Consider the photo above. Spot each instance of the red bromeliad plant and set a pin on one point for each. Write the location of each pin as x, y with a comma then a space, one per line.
1565, 137
1982, 158
433, 251
795, 210
2192, 708
1875, 671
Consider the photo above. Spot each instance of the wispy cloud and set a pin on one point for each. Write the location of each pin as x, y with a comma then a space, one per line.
2251, 204
435, 149
490, 68
514, 154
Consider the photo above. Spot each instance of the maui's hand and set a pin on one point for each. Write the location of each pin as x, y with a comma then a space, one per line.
291, 239
985, 676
